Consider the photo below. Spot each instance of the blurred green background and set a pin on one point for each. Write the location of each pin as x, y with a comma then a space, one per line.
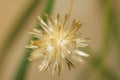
101, 24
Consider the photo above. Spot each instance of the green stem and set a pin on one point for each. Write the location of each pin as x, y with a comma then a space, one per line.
47, 10
98, 61
106, 42
116, 33
23, 67
107, 28
24, 63
17, 26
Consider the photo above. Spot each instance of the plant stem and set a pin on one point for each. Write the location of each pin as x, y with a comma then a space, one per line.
17, 26
24, 63
99, 60
107, 28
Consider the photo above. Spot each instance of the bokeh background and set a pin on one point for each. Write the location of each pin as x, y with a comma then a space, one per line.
101, 24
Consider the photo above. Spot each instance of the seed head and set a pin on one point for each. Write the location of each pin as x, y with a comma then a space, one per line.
57, 44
